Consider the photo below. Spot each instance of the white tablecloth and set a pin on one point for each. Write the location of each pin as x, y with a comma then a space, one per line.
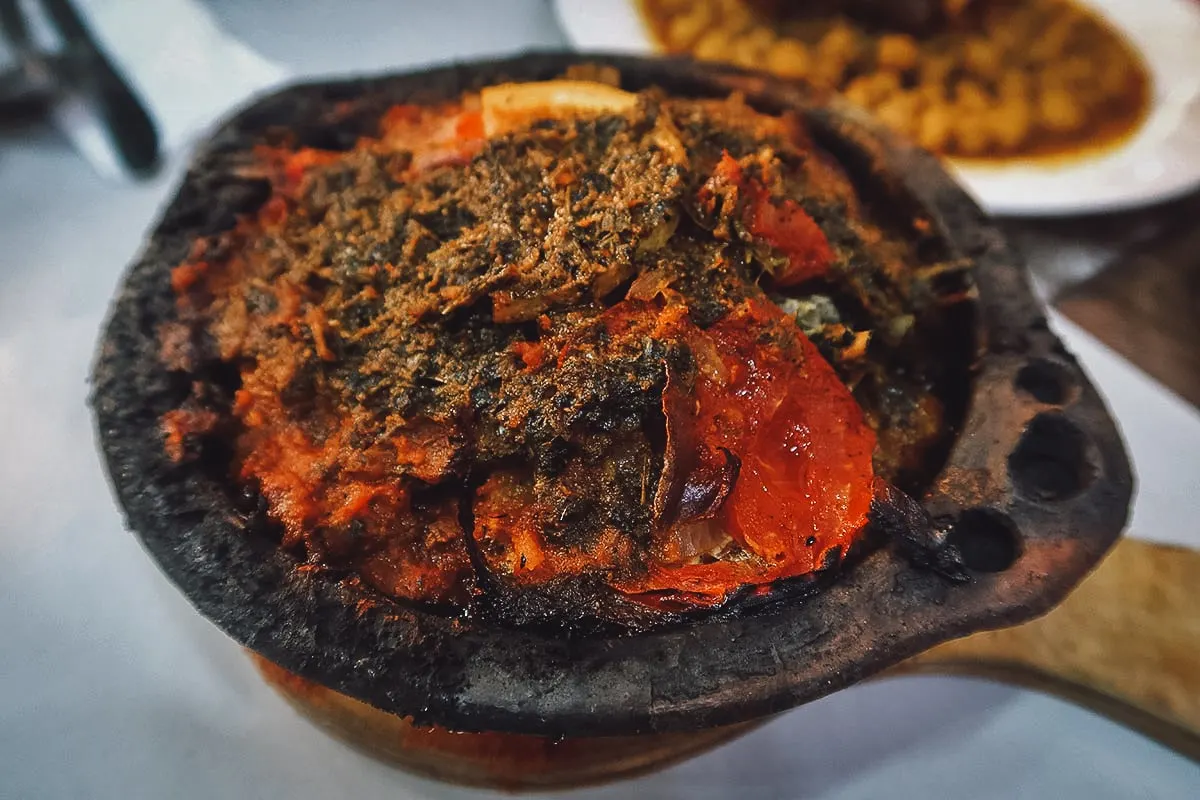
111, 686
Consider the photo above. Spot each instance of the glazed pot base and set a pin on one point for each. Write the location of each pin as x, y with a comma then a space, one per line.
491, 760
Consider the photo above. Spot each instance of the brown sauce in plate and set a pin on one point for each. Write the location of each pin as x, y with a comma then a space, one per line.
996, 80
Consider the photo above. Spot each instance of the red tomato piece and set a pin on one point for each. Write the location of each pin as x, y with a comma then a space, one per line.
782, 224
804, 483
789, 229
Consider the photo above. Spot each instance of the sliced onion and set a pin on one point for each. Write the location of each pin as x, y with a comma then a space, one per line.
696, 539
513, 105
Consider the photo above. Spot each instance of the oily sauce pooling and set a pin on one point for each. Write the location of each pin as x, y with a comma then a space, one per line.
562, 342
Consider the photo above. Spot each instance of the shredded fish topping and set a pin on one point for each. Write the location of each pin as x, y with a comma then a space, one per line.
564, 342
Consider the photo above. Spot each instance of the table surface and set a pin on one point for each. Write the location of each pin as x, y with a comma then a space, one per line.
112, 686
1145, 304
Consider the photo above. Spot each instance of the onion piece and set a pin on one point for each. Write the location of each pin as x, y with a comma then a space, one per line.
510, 106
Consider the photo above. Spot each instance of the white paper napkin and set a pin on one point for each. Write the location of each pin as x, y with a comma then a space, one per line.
182, 66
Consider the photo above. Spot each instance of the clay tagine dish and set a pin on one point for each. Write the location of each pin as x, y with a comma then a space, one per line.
542, 420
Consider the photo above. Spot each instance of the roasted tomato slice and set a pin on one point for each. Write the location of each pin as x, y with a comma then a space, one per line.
789, 229
803, 482
780, 223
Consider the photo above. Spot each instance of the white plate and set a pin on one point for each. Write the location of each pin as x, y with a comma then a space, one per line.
1161, 161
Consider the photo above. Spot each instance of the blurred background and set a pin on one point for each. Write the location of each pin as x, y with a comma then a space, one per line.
1077, 124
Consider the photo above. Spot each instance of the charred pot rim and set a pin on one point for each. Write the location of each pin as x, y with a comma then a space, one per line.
1039, 490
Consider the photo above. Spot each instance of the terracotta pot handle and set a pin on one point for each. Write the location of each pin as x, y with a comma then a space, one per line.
1126, 643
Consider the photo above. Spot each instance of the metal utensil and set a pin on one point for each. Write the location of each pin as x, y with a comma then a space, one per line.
33, 74
80, 69
20, 97
129, 124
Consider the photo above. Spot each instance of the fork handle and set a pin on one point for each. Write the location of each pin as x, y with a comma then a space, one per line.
129, 125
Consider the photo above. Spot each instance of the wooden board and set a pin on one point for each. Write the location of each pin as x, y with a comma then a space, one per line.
1125, 643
